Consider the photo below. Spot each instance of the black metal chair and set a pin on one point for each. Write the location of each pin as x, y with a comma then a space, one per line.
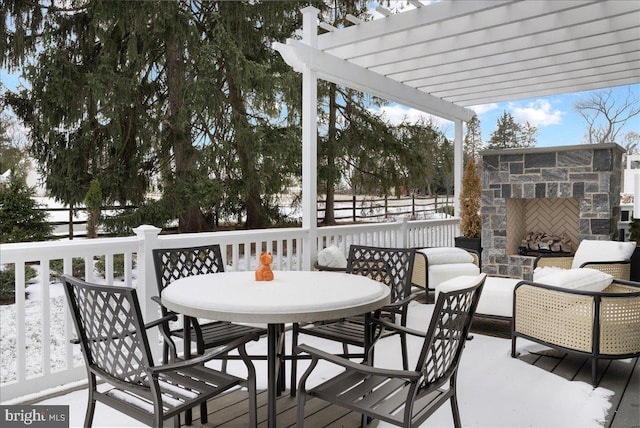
403, 397
116, 351
391, 266
175, 263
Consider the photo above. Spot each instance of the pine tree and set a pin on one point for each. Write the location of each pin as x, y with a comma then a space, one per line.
506, 134
473, 138
186, 91
509, 134
20, 218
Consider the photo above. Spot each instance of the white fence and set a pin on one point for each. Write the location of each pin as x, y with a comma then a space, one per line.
36, 351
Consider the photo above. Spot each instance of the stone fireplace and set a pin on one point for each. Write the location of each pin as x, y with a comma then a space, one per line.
569, 191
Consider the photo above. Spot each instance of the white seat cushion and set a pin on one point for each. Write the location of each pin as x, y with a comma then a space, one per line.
584, 279
440, 273
497, 294
602, 251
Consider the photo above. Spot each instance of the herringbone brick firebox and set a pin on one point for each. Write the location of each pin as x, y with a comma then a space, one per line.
572, 190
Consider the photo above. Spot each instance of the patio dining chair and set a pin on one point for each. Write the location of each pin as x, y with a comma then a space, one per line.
175, 263
391, 266
403, 397
116, 351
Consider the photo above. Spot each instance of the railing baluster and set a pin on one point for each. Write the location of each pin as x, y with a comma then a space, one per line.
20, 322
46, 317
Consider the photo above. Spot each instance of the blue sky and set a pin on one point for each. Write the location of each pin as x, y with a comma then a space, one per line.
555, 117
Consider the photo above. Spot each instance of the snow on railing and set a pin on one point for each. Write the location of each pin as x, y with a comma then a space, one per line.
35, 349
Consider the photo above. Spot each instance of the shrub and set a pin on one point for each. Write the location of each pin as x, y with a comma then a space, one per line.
470, 202
8, 279
20, 219
118, 265
56, 268
447, 209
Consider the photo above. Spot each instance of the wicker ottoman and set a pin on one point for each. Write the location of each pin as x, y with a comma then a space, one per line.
496, 299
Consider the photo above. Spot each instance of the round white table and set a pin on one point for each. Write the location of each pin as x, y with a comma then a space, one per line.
293, 296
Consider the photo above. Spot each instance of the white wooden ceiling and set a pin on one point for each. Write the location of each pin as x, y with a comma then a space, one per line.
469, 53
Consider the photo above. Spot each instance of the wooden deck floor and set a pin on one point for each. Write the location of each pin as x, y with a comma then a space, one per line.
621, 377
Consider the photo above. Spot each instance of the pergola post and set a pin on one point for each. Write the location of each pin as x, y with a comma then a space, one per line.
309, 141
458, 166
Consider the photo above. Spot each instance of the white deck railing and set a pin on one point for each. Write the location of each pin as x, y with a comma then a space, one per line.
36, 352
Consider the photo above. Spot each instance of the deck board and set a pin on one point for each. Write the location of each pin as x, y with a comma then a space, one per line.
620, 376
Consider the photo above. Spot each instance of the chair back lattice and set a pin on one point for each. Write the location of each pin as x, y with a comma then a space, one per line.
109, 325
447, 333
390, 266
175, 263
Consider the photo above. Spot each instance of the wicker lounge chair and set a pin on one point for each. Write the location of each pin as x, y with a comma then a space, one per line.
598, 325
116, 351
403, 397
428, 281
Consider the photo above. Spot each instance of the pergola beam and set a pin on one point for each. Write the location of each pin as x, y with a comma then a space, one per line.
345, 73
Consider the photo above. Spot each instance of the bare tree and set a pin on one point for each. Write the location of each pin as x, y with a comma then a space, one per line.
606, 115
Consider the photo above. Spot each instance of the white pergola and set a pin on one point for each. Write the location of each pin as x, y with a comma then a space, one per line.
443, 57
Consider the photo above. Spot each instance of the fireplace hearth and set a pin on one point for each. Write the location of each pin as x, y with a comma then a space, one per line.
571, 192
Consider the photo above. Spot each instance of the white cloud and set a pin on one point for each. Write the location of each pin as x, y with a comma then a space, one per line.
538, 113
484, 108
395, 114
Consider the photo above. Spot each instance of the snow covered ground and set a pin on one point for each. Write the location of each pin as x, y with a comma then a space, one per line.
494, 389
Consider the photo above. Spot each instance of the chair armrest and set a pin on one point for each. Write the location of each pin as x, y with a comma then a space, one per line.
122, 335
201, 359
166, 318
362, 368
399, 328
401, 303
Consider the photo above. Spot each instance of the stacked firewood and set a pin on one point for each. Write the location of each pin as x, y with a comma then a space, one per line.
540, 241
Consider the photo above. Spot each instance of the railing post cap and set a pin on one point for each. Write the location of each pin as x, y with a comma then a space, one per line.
147, 230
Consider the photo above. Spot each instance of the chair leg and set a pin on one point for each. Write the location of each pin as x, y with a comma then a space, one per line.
91, 404
165, 353
455, 410
204, 414
294, 359
405, 356
251, 387
223, 366
300, 407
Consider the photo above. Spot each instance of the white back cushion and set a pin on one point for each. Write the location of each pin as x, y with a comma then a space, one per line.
332, 256
446, 255
602, 251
